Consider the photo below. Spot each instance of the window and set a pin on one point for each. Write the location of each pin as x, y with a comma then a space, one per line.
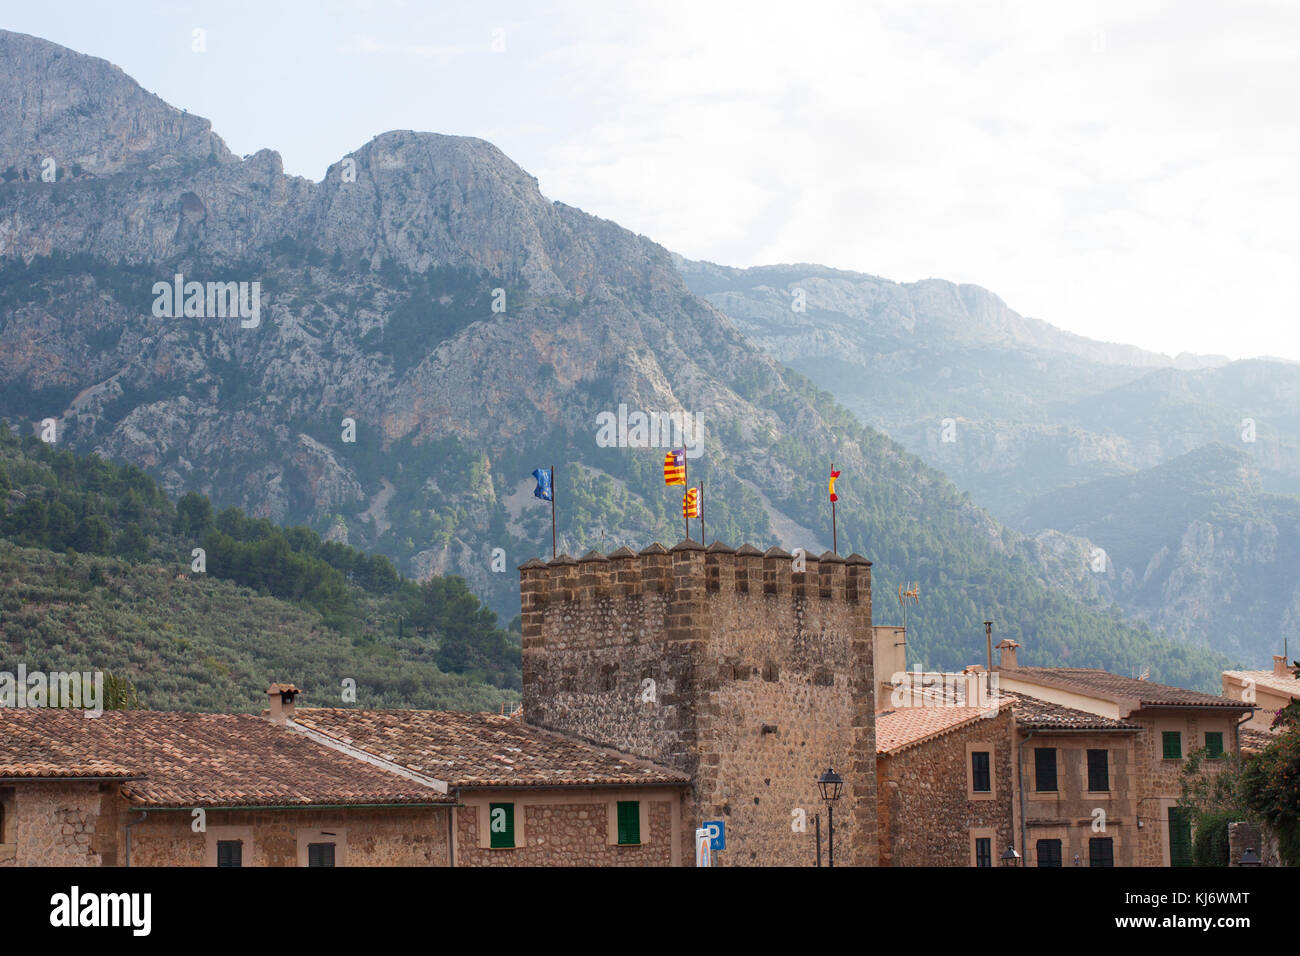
979, 771
629, 822
1049, 852
1045, 769
1214, 743
1099, 770
230, 853
320, 854
1180, 837
1101, 851
983, 851
1173, 744
501, 826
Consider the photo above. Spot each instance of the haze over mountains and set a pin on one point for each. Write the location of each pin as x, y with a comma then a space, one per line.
473, 330
1183, 470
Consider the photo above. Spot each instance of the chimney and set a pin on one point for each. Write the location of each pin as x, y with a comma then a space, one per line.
1279, 666
281, 697
1007, 654
974, 676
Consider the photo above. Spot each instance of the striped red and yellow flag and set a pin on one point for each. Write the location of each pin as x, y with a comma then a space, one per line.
691, 503
834, 496
675, 467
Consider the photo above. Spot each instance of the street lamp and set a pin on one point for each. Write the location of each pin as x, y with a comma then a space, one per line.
1011, 857
1249, 858
831, 785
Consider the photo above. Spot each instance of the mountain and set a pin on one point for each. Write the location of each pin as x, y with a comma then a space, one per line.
1194, 547
469, 330
1028, 407
90, 580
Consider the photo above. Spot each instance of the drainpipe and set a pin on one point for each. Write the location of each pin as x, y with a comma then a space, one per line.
1020, 763
143, 814
451, 833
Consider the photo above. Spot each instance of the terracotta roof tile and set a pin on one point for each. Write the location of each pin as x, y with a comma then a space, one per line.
897, 730
1253, 741
481, 750
1285, 685
1096, 681
193, 760
1034, 713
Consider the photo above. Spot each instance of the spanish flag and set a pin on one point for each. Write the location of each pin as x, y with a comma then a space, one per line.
675, 467
834, 496
691, 503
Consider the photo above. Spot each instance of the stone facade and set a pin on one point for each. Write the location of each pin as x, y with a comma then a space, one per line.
1158, 785
1074, 814
929, 813
382, 836
730, 666
58, 823
569, 828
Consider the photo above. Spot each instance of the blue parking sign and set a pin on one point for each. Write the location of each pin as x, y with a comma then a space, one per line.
717, 834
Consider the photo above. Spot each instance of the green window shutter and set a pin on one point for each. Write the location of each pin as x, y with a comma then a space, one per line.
501, 826
320, 854
1049, 853
1214, 743
1180, 837
1098, 770
629, 822
981, 779
1045, 769
230, 853
1173, 744
1101, 851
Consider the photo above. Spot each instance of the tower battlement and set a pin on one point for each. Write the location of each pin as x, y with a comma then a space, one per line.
750, 670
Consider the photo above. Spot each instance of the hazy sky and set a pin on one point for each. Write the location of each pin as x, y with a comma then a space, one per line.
1124, 170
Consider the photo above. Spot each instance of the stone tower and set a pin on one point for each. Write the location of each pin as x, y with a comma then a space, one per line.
729, 665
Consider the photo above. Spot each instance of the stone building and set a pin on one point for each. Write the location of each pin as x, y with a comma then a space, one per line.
322, 788
1172, 722
748, 676
1077, 798
1270, 691
945, 783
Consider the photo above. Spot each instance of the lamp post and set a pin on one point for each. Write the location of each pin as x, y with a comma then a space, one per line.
1011, 857
1249, 858
831, 785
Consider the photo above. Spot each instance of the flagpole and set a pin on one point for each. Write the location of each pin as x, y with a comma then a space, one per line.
835, 537
703, 539
552, 511
686, 492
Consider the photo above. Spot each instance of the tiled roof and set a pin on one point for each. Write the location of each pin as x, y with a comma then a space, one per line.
905, 727
1286, 685
1034, 713
197, 760
481, 750
1089, 680
1253, 741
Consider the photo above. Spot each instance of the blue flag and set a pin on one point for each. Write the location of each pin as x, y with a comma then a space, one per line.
543, 489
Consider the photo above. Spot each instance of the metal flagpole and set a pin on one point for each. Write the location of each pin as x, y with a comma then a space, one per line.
703, 539
552, 511
835, 537
686, 476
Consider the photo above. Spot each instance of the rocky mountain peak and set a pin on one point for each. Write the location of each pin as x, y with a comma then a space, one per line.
88, 116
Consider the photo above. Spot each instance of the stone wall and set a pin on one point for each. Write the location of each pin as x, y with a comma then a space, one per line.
730, 666
1070, 815
928, 815
56, 823
1158, 785
568, 828
387, 836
